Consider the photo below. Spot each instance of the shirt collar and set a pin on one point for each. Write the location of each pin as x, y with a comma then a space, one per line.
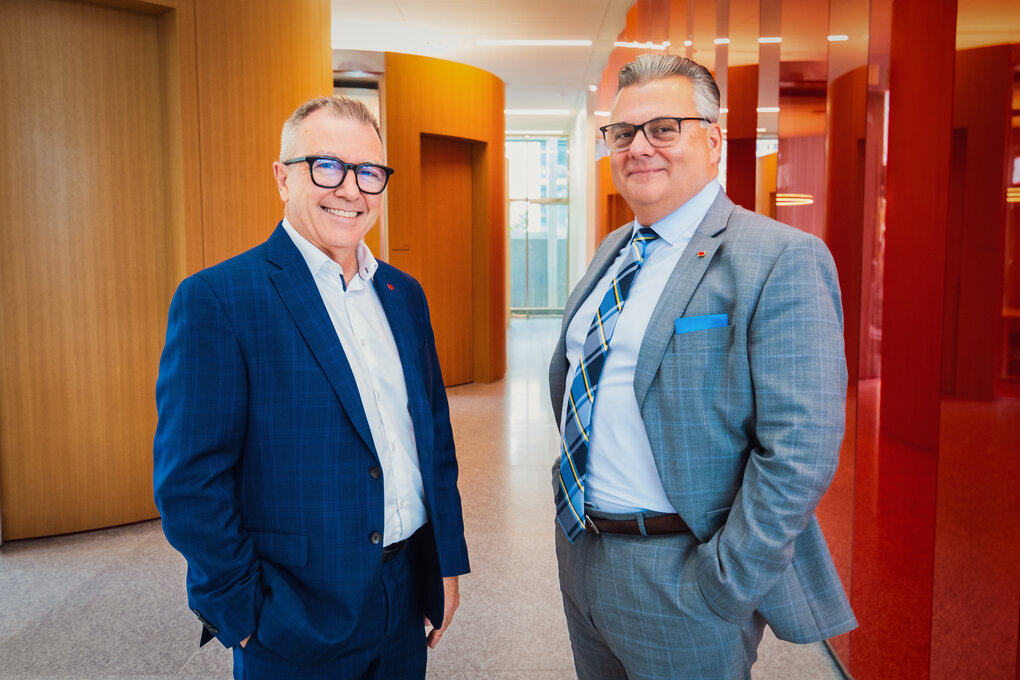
319, 261
679, 225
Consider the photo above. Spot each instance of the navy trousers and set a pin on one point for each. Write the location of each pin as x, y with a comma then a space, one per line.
395, 620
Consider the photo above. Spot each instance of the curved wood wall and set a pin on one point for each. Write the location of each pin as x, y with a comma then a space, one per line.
424, 97
138, 148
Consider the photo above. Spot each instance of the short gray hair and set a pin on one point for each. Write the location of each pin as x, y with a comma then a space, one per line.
649, 67
344, 108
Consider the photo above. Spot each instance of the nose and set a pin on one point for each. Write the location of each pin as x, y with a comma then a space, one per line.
639, 146
349, 187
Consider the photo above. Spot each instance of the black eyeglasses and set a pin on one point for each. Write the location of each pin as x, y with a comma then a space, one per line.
329, 173
659, 132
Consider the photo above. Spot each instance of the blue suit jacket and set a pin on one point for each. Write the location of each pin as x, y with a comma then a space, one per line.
745, 419
263, 453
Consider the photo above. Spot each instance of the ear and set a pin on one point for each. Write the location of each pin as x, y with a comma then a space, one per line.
715, 142
280, 172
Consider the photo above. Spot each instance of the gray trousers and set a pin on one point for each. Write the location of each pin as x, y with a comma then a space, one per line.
635, 612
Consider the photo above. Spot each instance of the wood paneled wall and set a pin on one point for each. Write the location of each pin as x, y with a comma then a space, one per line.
424, 96
138, 148
258, 61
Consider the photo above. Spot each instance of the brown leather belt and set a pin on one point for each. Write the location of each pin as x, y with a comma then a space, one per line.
654, 526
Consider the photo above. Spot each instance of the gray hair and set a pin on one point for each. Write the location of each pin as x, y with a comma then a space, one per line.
649, 67
340, 107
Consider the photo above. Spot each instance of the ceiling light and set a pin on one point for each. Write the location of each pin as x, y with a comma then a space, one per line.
603, 114
770, 40
722, 41
837, 38
536, 112
688, 43
534, 43
768, 109
724, 110
642, 46
761, 130
593, 88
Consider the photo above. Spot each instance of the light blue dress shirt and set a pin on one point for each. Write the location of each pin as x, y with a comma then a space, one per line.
365, 335
621, 475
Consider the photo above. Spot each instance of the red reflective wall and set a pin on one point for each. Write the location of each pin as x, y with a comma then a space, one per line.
920, 155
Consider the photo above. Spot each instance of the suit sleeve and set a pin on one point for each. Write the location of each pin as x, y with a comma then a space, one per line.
798, 375
450, 543
201, 398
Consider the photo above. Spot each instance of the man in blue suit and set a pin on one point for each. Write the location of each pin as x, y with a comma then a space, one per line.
304, 460
701, 429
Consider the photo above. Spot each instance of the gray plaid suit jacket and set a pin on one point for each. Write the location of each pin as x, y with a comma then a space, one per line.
745, 421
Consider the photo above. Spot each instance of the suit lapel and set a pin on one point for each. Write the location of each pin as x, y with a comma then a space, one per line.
408, 331
677, 294
296, 287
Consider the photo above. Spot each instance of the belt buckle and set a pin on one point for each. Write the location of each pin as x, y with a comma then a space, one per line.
590, 527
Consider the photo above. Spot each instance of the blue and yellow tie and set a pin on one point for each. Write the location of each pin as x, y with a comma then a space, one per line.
577, 423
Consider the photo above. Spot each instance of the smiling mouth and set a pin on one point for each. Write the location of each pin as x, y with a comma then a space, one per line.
341, 213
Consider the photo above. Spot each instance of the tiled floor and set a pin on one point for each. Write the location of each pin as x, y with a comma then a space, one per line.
111, 604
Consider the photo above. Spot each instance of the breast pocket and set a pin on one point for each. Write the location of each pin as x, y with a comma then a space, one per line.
705, 338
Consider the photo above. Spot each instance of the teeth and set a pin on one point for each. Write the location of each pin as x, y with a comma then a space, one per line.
341, 213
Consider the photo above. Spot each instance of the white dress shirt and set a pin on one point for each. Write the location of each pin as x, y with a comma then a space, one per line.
367, 340
621, 475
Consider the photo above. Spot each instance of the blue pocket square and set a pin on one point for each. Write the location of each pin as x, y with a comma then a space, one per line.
687, 324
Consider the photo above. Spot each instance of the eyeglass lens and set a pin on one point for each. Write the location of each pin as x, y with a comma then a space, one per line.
660, 132
330, 173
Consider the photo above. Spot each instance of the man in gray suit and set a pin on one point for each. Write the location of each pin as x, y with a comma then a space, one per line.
699, 432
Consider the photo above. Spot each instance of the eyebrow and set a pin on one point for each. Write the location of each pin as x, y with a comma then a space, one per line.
333, 155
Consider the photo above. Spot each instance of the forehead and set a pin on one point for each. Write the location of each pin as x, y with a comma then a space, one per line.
349, 140
665, 97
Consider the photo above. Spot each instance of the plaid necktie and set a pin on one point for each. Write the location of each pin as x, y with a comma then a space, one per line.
577, 423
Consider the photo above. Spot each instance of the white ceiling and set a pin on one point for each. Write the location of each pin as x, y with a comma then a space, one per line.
536, 77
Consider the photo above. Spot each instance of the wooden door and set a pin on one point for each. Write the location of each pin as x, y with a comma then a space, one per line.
445, 241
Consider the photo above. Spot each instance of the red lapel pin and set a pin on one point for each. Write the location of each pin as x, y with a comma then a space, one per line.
390, 286
701, 253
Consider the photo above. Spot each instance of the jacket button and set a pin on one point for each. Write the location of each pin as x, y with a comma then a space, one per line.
375, 473
375, 537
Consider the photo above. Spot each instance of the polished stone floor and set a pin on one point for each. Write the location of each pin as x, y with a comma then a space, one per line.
110, 604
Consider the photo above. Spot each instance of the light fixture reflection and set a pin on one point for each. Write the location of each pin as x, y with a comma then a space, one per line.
788, 200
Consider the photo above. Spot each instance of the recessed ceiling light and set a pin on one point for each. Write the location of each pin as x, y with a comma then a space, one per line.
593, 88
603, 114
537, 112
776, 39
688, 43
642, 46
534, 43
837, 38
722, 41
768, 109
